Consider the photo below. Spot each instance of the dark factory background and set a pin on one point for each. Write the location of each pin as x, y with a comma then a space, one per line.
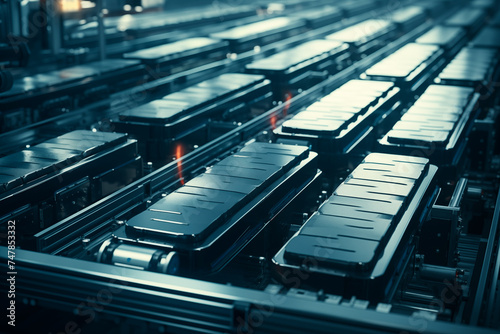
237, 166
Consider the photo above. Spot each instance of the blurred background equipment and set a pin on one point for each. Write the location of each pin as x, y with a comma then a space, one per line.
240, 166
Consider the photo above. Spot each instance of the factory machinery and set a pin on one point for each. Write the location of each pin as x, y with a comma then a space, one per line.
250, 167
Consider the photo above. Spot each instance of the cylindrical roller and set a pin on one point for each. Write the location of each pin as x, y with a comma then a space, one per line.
438, 273
138, 257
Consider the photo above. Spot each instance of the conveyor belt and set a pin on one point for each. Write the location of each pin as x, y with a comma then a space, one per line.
408, 67
217, 194
366, 35
356, 7
472, 67
38, 97
196, 47
159, 123
244, 38
285, 60
60, 176
68, 75
433, 8
407, 18
436, 125
488, 37
236, 207
446, 37
218, 212
52, 155
332, 124
175, 105
144, 23
289, 68
360, 232
319, 17
469, 18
